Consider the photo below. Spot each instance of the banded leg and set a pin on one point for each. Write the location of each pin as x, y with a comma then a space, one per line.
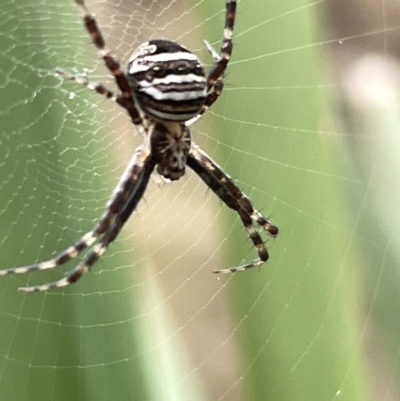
141, 172
125, 98
219, 67
218, 86
118, 200
226, 48
70, 253
217, 181
98, 88
82, 80
235, 191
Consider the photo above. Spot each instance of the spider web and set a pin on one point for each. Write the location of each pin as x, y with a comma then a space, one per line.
307, 126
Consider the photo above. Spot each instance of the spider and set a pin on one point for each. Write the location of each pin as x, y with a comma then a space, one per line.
163, 91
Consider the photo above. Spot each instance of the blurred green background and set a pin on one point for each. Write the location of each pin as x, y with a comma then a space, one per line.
307, 126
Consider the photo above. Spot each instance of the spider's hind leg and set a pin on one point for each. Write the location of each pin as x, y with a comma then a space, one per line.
230, 194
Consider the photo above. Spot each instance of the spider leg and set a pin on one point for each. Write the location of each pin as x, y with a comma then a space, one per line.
229, 193
70, 253
235, 191
117, 201
98, 88
139, 176
211, 50
82, 80
215, 77
219, 67
125, 98
218, 86
213, 95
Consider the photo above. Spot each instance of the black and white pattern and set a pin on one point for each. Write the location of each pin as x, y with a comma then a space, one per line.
168, 81
163, 91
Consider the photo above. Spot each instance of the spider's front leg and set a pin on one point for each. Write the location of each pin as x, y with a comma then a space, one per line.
215, 81
219, 67
124, 99
223, 186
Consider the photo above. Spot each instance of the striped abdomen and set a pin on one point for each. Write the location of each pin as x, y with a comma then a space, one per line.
167, 80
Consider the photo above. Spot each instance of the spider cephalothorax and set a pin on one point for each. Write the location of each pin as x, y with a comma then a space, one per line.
170, 144
164, 89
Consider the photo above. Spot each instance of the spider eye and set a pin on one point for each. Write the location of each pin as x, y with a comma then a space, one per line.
158, 71
198, 70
